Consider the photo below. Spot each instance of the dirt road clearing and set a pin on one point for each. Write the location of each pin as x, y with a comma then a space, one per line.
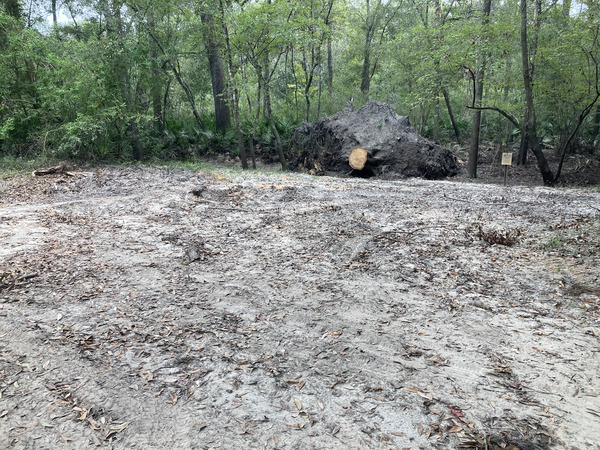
289, 311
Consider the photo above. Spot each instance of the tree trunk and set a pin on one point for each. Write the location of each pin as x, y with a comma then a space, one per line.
134, 139
365, 83
236, 97
574, 132
530, 138
477, 96
474, 142
330, 60
436, 119
269, 111
53, 7
596, 132
452, 117
217, 74
320, 87
156, 83
309, 77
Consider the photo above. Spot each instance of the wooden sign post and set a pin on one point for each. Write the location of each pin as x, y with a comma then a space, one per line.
506, 161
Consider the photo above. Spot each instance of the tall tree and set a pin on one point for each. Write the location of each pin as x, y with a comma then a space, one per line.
376, 20
530, 137
477, 97
210, 32
236, 95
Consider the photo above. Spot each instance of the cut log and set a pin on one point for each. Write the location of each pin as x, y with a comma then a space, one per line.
358, 158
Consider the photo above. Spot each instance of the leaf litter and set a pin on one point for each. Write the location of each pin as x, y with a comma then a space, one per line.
137, 303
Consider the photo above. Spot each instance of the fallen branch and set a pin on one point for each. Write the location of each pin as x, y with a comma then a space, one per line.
61, 168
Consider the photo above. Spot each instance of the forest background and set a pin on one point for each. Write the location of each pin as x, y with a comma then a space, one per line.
135, 80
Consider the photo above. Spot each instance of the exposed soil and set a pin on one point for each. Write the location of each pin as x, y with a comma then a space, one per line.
291, 311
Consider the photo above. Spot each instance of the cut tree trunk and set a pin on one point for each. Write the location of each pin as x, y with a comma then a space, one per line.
358, 158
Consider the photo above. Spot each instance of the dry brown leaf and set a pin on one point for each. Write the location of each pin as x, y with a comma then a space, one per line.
300, 385
455, 429
385, 438
298, 403
413, 389
424, 395
420, 429
148, 376
275, 439
321, 405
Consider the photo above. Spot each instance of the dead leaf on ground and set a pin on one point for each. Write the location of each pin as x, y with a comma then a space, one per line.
457, 412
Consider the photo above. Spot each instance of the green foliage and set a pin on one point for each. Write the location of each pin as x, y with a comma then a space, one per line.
74, 91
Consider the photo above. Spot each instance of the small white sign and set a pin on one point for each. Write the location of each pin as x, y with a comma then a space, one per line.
507, 159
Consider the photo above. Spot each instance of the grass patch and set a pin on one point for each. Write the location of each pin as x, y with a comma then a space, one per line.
11, 166
580, 237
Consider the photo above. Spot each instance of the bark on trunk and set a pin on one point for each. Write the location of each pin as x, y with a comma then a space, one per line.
134, 139
269, 111
53, 7
365, 82
236, 97
155, 88
217, 74
452, 117
330, 60
596, 132
477, 96
436, 119
530, 138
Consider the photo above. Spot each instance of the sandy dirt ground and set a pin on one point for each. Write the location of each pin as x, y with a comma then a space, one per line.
270, 310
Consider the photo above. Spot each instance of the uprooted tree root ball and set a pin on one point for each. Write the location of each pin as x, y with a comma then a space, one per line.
389, 146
